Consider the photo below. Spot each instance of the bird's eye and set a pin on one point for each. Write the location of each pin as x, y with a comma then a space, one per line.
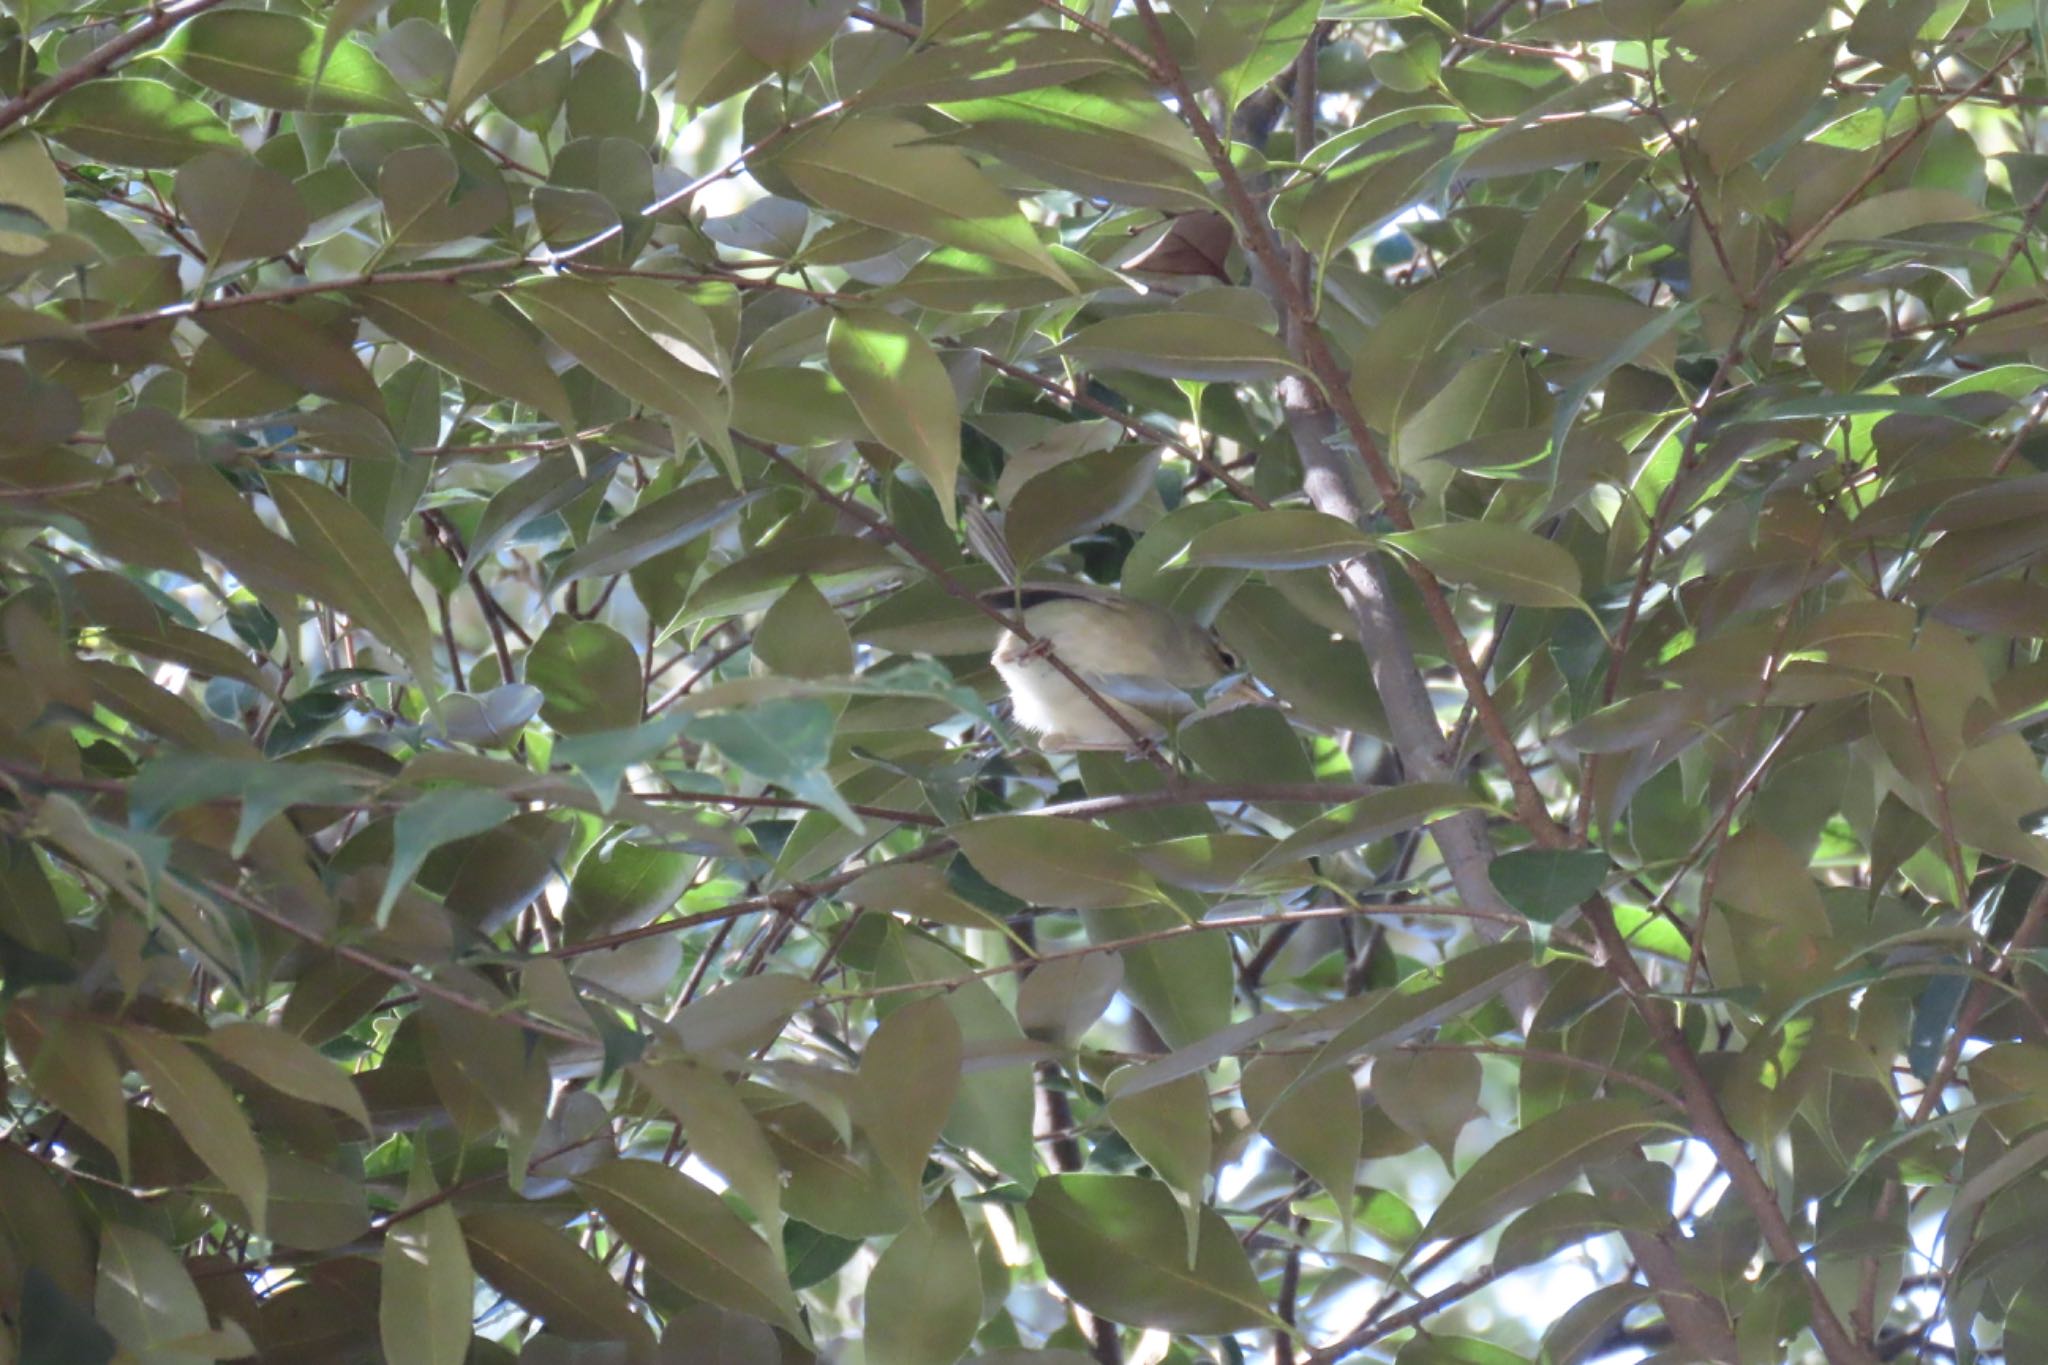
1229, 658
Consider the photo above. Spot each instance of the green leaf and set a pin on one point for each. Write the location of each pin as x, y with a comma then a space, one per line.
205, 1113
1317, 1125
493, 719
1435, 1349
1504, 562
787, 743
289, 1066
1542, 1158
1544, 146
551, 485
545, 1272
297, 345
470, 340
1116, 1245
131, 121
1428, 1095
1105, 136
371, 588
794, 407
1544, 883
801, 636
689, 1237
955, 281
33, 191
273, 59
785, 34
240, 209
1587, 326
586, 320
623, 887
1364, 191
992, 1109
146, 1298
1183, 345
1076, 497
176, 782
1182, 985
1056, 862
924, 1294
424, 1313
437, 818
313, 1207
655, 527
1883, 215
713, 64
1278, 538
723, 1134
902, 393
1584, 1328
984, 64
602, 757
1242, 44
1168, 1125
706, 1335
909, 1075
71, 1065
1061, 999
886, 173
1772, 94
507, 37
590, 675
1357, 823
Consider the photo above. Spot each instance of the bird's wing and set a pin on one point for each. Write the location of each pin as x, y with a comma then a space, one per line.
1142, 690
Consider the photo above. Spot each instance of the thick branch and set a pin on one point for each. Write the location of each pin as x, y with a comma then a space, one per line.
1321, 361
1711, 1126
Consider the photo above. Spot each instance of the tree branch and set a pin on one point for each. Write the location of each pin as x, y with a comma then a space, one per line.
100, 60
1314, 350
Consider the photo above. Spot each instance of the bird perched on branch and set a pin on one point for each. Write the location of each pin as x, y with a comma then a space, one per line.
1143, 662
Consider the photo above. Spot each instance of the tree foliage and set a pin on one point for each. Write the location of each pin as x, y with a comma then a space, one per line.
511, 846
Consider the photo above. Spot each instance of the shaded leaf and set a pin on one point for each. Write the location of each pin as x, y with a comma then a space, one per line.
689, 1237
589, 675
1115, 1243
1056, 862
241, 209
1545, 883
205, 1112
439, 817
470, 340
924, 1294
1540, 1159
546, 1273
372, 588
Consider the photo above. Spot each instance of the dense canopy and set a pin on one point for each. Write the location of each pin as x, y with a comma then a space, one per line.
512, 846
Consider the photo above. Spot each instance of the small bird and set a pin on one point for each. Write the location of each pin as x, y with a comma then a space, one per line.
1146, 662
